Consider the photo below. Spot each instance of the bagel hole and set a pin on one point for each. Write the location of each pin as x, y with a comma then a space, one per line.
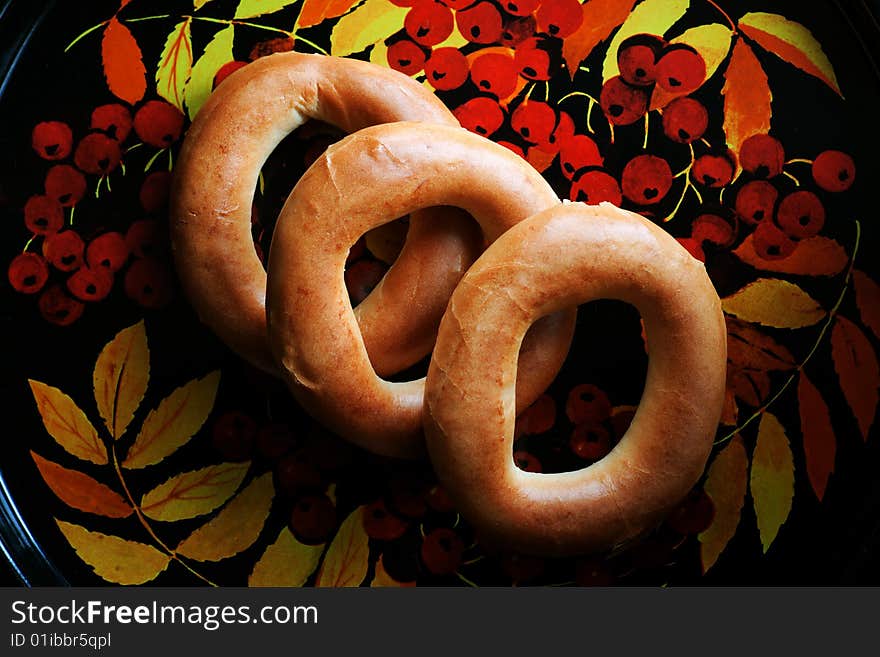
588, 407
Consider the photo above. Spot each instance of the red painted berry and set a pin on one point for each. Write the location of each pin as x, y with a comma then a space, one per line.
148, 283
595, 186
225, 71
681, 70
447, 69
233, 435
97, 154
429, 23
587, 404
406, 56
537, 418
295, 473
713, 170
457, 5
113, 119
521, 568
64, 250
621, 419
275, 440
526, 461
834, 171
762, 155
714, 229
578, 152
801, 215
494, 73
514, 148
438, 499
646, 179
480, 23
408, 496
28, 273
65, 184
771, 243
563, 133
559, 18
107, 251
590, 442
442, 551
685, 120
534, 121
155, 191
158, 123
43, 215
361, 277
90, 284
52, 140
693, 515
520, 7
58, 307
481, 115
637, 59
532, 61
756, 201
270, 47
382, 525
313, 519
623, 104
517, 29
144, 238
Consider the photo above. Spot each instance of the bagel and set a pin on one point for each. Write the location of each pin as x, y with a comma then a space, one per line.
213, 190
363, 181
561, 258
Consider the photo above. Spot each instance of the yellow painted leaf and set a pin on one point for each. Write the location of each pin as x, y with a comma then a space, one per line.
198, 4
123, 63
314, 12
650, 17
67, 424
112, 558
383, 580
454, 40
747, 97
173, 422
286, 562
194, 493
372, 22
601, 18
772, 479
217, 53
792, 42
236, 527
252, 8
726, 484
80, 491
175, 64
346, 561
774, 302
815, 256
379, 57
712, 41
120, 379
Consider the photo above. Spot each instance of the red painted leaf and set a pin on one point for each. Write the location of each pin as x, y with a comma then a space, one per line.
601, 18
868, 301
820, 443
816, 256
747, 97
859, 372
751, 349
317, 11
123, 63
80, 491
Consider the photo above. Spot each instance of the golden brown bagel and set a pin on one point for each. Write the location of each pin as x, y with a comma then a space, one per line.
558, 259
216, 175
365, 180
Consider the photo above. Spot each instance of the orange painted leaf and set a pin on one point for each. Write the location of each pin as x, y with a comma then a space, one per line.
383, 580
750, 348
317, 11
868, 301
856, 364
747, 97
236, 527
772, 479
175, 64
820, 443
726, 484
173, 422
67, 424
123, 63
286, 562
816, 256
774, 302
601, 18
792, 42
195, 493
372, 22
115, 559
80, 491
347, 558
120, 378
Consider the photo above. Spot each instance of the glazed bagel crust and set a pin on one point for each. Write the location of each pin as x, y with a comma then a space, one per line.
558, 259
213, 191
365, 180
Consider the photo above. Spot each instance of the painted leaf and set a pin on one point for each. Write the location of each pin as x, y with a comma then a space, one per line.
856, 364
650, 17
123, 63
236, 527
67, 424
386, 241
80, 491
175, 64
712, 41
792, 42
252, 8
115, 559
120, 379
747, 97
772, 479
601, 18
198, 4
195, 493
868, 300
346, 561
286, 562
373, 21
383, 580
314, 12
379, 56
750, 348
774, 302
725, 485
454, 40
173, 422
816, 256
820, 443
217, 53
752, 387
